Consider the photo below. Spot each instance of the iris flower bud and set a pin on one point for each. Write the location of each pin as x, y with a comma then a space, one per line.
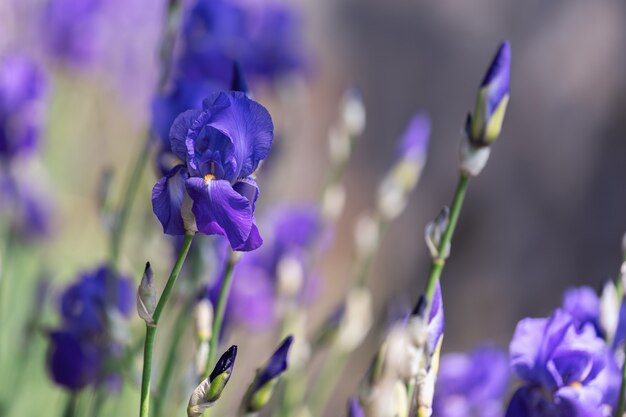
434, 232
146, 296
209, 391
260, 391
484, 126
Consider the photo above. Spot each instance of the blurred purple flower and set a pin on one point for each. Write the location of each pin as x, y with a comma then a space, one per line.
22, 87
472, 384
221, 146
414, 141
73, 362
252, 300
80, 347
563, 367
354, 408
30, 213
70, 29
85, 303
216, 33
275, 45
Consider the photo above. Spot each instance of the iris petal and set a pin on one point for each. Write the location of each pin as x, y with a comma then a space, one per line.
167, 199
220, 210
247, 123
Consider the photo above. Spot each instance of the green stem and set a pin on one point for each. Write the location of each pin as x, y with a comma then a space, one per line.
438, 263
144, 405
326, 381
170, 359
220, 309
71, 405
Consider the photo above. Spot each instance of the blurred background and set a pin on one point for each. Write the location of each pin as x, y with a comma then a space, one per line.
548, 212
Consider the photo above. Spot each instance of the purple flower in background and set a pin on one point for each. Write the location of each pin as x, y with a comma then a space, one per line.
564, 369
80, 347
274, 46
354, 408
73, 362
252, 300
70, 29
213, 35
414, 142
221, 146
84, 304
216, 33
21, 91
29, 210
472, 385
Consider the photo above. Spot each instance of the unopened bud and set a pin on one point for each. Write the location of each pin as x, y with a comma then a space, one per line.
367, 235
339, 145
353, 112
434, 232
203, 313
356, 321
391, 200
484, 126
209, 391
260, 391
354, 408
290, 276
333, 201
425, 387
146, 296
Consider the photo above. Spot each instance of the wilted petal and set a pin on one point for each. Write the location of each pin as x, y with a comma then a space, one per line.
167, 199
220, 210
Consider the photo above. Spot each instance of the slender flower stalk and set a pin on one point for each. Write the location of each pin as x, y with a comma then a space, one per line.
439, 261
144, 404
220, 309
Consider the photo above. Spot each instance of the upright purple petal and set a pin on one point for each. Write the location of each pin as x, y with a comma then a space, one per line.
247, 123
179, 130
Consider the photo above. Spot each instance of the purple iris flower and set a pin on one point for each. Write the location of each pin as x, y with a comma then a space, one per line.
221, 146
21, 91
82, 345
274, 46
213, 35
70, 29
472, 385
217, 33
252, 300
564, 369
84, 304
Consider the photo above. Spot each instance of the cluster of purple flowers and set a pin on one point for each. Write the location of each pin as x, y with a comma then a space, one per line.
568, 365
84, 344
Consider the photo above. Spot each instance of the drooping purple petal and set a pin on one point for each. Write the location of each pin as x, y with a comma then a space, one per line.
246, 123
220, 210
167, 199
